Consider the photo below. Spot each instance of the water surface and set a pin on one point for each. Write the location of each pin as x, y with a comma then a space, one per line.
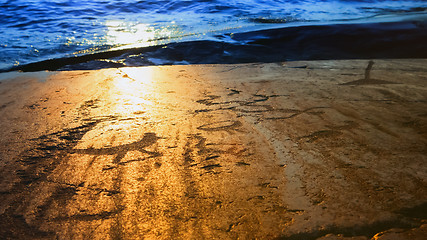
36, 30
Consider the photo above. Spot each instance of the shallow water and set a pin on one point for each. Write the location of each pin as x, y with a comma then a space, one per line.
36, 30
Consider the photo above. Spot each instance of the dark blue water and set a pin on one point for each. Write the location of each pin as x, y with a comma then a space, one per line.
36, 30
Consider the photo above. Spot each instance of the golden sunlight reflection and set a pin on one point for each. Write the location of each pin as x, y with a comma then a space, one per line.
121, 33
131, 90
130, 96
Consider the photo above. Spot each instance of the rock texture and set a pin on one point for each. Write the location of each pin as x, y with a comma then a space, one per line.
293, 150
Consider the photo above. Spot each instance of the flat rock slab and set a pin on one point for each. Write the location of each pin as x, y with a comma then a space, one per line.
293, 150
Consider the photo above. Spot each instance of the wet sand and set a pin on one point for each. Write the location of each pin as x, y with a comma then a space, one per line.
293, 150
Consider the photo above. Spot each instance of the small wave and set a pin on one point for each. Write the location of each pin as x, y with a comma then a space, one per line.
337, 41
273, 20
33, 31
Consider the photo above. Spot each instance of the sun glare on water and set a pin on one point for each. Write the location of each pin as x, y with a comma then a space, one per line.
125, 34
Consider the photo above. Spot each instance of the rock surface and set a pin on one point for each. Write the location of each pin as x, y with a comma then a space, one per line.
293, 150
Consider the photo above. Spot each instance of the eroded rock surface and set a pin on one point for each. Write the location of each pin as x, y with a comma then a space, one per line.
270, 151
